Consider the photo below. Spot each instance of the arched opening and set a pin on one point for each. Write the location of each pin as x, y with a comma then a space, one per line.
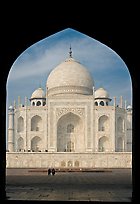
44, 103
70, 164
119, 144
63, 163
36, 144
120, 124
76, 163
20, 125
102, 103
70, 130
36, 123
103, 123
103, 144
96, 103
33, 104
38, 103
20, 144
67, 31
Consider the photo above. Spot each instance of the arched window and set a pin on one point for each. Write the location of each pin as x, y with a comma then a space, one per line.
63, 163
44, 103
102, 103
36, 123
120, 144
38, 103
20, 144
103, 144
103, 123
70, 128
120, 124
76, 164
35, 144
69, 163
96, 103
20, 126
33, 104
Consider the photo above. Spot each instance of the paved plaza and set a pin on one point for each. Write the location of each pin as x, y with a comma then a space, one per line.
107, 185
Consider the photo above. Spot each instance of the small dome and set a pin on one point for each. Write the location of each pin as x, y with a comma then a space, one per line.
70, 77
129, 107
11, 108
101, 93
38, 93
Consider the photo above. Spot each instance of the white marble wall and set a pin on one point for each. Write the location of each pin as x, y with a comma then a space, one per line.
27, 113
71, 160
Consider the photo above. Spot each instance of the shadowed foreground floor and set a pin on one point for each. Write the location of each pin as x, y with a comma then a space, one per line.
113, 185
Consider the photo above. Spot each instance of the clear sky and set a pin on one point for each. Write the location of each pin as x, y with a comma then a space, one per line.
31, 68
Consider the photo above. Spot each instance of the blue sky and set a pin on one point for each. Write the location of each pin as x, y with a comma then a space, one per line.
31, 68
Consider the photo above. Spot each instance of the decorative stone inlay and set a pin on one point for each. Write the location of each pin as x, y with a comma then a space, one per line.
62, 111
70, 89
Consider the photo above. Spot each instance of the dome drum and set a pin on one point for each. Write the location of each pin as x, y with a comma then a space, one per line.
38, 98
70, 90
103, 98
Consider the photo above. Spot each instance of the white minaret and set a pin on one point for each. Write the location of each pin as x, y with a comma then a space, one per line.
121, 102
115, 101
11, 129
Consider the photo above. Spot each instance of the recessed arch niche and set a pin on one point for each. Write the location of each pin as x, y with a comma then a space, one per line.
70, 131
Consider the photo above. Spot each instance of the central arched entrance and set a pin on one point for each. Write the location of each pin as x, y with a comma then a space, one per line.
70, 133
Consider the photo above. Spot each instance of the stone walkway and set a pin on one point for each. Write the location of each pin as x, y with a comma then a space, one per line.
114, 185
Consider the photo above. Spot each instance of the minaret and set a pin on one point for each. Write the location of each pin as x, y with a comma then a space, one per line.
115, 101
125, 104
121, 102
26, 101
11, 129
19, 101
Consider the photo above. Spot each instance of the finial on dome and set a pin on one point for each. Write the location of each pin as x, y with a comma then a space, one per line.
70, 52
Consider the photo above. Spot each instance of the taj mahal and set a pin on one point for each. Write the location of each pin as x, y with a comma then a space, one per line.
69, 125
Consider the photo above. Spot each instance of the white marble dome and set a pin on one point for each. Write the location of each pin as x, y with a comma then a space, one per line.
11, 108
129, 107
101, 93
38, 94
70, 77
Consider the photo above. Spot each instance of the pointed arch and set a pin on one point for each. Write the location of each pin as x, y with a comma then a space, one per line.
67, 30
36, 144
63, 163
103, 144
20, 144
120, 144
20, 124
36, 123
76, 163
69, 127
103, 123
70, 164
120, 124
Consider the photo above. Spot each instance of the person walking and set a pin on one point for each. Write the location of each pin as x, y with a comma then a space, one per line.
49, 171
53, 171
